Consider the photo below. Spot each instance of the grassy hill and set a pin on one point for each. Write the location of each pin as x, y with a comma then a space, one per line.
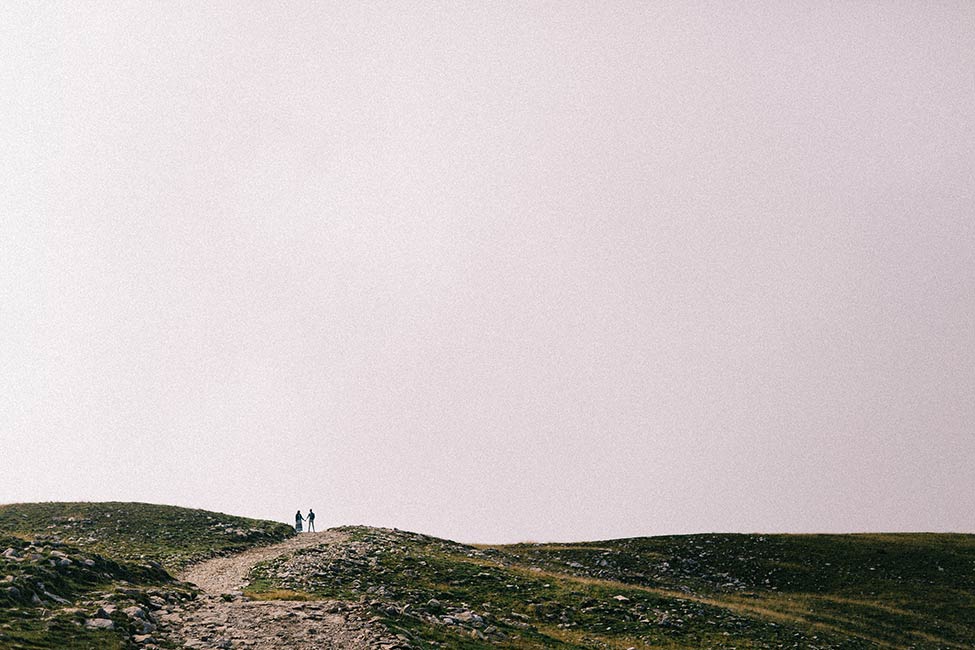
61, 560
169, 535
698, 591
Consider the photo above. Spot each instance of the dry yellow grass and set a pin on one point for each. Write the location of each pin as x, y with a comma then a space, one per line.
278, 594
768, 613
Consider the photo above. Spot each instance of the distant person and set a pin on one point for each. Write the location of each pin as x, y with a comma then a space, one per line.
298, 520
311, 520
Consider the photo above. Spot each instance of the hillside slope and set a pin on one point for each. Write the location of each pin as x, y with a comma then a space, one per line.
77, 575
699, 591
62, 562
169, 535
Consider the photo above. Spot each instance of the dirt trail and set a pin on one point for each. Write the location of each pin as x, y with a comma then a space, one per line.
223, 619
224, 575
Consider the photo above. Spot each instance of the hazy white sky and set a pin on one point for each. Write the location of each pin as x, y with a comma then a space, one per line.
493, 271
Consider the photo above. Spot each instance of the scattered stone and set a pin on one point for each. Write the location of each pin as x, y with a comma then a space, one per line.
237, 622
56, 598
100, 624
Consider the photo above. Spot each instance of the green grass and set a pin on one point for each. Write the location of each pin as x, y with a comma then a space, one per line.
47, 588
879, 587
703, 591
842, 592
169, 535
23, 630
68, 556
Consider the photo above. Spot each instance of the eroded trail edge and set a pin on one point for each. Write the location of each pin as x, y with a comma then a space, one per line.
223, 618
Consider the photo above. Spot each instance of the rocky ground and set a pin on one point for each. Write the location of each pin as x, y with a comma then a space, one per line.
222, 617
87, 576
705, 591
365, 566
224, 575
213, 622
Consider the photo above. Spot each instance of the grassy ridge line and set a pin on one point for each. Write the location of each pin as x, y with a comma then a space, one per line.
838, 592
899, 588
458, 597
170, 535
59, 562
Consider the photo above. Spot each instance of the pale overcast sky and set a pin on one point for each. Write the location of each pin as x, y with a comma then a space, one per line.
493, 271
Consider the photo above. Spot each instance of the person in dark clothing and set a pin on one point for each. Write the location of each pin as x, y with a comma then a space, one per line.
311, 520
298, 520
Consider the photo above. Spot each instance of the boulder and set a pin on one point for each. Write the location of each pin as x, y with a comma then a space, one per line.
100, 624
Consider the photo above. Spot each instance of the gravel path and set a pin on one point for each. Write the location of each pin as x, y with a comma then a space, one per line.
224, 575
222, 619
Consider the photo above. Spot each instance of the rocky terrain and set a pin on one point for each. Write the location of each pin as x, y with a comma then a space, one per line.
224, 618
135, 576
56, 595
100, 575
168, 535
704, 591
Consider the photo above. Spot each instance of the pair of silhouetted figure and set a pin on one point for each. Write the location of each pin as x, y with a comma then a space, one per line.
310, 519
